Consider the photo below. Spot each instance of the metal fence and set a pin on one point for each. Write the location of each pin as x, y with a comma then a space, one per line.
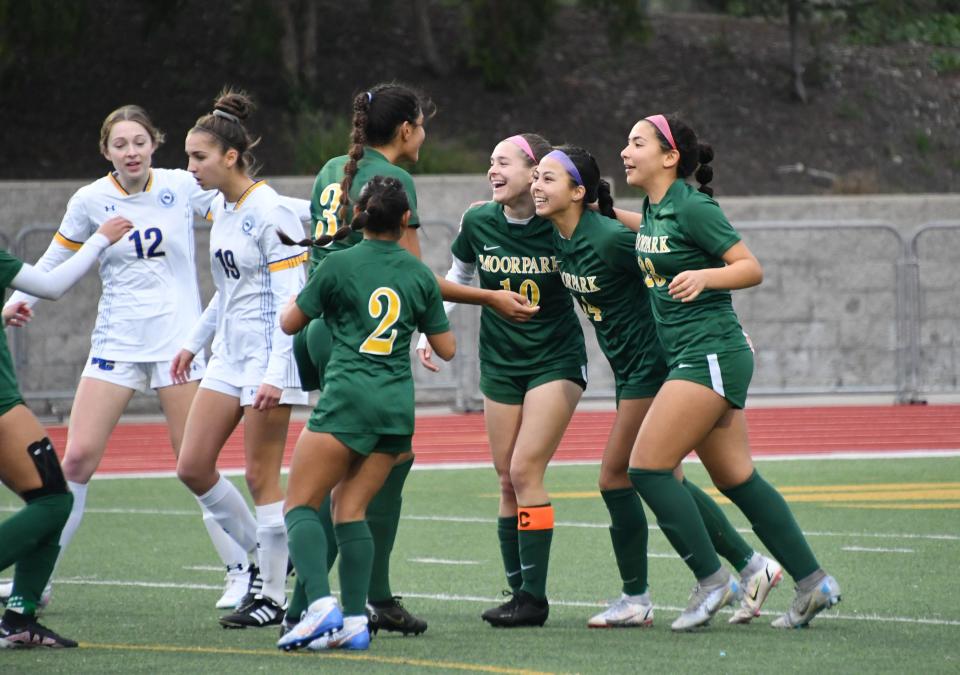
845, 307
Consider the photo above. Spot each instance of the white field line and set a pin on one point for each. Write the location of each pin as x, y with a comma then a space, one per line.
859, 549
492, 521
82, 581
444, 561
426, 465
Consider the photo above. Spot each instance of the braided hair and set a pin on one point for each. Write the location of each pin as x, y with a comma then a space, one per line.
695, 156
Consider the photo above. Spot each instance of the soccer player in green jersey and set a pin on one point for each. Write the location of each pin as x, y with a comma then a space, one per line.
598, 265
388, 127
372, 297
692, 258
531, 375
30, 538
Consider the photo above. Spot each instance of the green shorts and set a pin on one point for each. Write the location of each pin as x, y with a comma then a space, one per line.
641, 384
311, 350
364, 444
727, 373
511, 388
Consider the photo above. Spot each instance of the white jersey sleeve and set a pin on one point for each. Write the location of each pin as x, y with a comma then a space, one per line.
285, 265
51, 284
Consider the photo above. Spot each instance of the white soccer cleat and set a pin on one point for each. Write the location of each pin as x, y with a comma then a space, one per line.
807, 604
236, 587
705, 601
354, 635
628, 611
322, 618
756, 588
6, 590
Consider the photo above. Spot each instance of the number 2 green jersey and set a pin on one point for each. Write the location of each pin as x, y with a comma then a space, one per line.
599, 268
520, 258
372, 297
688, 231
326, 197
9, 392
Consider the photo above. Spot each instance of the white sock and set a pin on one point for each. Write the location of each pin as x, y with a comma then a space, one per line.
227, 506
272, 550
230, 552
79, 491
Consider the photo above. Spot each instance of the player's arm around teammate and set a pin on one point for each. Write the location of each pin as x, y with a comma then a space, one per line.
28, 464
251, 375
598, 265
531, 374
692, 258
149, 302
372, 296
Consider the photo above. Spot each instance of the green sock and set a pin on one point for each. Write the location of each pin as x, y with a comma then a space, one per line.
383, 518
628, 532
298, 600
534, 535
678, 519
326, 521
726, 540
31, 541
774, 523
308, 550
510, 550
356, 560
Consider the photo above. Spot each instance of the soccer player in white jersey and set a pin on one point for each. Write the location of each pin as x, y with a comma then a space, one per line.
149, 304
251, 374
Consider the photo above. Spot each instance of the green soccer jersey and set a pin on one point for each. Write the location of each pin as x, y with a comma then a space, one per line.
325, 200
372, 297
688, 231
598, 266
9, 391
520, 258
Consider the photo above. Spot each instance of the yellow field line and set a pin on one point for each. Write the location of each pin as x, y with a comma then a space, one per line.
418, 663
913, 507
812, 493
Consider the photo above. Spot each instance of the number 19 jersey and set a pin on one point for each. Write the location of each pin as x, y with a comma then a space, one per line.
520, 258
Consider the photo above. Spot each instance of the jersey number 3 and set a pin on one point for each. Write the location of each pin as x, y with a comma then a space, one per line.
330, 204
376, 343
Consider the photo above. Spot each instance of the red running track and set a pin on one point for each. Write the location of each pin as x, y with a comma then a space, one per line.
461, 438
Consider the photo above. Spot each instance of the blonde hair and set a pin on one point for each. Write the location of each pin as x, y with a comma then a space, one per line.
129, 113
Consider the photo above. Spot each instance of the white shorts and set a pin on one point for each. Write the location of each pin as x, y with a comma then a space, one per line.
139, 376
290, 395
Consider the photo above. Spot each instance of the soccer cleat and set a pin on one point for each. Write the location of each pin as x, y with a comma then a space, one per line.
522, 609
353, 635
6, 590
807, 604
705, 601
322, 617
23, 632
626, 612
391, 615
254, 586
287, 624
237, 583
756, 587
259, 612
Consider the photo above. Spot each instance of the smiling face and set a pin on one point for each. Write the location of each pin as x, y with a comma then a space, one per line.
553, 190
207, 161
129, 147
643, 157
510, 173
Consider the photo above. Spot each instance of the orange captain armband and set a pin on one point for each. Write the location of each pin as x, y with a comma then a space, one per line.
535, 517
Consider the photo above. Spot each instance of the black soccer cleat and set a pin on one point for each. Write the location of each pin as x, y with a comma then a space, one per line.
23, 632
522, 609
392, 616
257, 613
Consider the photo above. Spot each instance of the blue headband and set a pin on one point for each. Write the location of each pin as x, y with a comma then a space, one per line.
562, 157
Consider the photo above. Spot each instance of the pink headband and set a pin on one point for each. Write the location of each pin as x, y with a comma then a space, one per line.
660, 122
521, 143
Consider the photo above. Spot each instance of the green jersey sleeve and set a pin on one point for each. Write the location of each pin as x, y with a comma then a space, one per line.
10, 267
318, 289
462, 246
433, 319
708, 226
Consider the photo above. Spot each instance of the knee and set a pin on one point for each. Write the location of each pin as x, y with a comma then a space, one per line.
523, 475
196, 477
78, 465
611, 480
258, 480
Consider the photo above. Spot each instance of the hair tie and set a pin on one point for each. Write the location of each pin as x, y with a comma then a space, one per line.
369, 97
660, 122
227, 116
522, 143
568, 164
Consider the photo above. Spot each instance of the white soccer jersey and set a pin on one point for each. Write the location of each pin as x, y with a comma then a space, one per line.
255, 275
150, 299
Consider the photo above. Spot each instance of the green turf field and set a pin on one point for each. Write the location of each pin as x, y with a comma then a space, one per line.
138, 586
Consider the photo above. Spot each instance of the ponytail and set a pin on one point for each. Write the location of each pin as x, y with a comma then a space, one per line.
694, 155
